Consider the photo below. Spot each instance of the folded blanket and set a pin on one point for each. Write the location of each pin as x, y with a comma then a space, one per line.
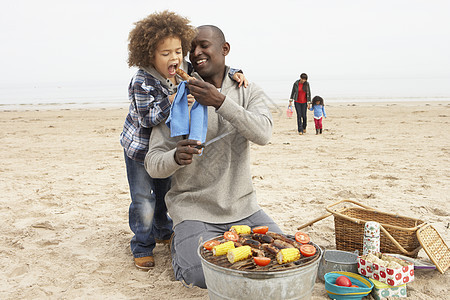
178, 120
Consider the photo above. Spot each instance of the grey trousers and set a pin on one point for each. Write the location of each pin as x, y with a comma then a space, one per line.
188, 235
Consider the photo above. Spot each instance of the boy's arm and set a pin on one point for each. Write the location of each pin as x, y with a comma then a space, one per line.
234, 71
238, 76
152, 108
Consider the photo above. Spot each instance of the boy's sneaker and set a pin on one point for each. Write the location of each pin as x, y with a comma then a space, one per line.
144, 263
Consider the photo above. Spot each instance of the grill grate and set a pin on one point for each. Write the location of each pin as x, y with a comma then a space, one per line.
249, 264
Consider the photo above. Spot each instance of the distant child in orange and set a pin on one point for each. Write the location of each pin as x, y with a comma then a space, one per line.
319, 113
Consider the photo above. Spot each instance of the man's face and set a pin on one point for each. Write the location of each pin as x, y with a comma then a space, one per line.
207, 54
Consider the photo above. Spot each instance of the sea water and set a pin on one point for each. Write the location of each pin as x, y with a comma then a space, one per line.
115, 94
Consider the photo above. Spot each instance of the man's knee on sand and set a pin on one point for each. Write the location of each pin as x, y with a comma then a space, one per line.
188, 268
192, 276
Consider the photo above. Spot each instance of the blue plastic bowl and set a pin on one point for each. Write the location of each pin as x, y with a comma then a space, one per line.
347, 293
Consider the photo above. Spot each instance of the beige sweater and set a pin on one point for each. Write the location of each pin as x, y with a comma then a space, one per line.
217, 187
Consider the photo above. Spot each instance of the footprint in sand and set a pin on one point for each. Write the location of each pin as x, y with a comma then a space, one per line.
44, 225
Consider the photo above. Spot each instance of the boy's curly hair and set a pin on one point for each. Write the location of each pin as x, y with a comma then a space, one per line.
145, 36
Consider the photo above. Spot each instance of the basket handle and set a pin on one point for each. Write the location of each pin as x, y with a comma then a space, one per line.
357, 221
393, 240
331, 213
314, 221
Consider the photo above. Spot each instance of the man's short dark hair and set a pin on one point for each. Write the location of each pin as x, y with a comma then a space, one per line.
217, 32
304, 76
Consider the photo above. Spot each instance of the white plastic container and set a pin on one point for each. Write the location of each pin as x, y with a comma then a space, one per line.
371, 243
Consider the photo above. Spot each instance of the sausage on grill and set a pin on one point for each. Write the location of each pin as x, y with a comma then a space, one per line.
282, 244
263, 238
270, 248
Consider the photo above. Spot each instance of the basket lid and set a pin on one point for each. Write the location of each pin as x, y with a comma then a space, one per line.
434, 246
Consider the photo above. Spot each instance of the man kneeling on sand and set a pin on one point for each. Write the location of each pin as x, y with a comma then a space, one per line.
214, 191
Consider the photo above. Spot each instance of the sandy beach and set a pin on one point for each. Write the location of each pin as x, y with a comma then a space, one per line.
64, 193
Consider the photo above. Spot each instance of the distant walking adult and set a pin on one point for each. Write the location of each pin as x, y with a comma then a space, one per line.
301, 95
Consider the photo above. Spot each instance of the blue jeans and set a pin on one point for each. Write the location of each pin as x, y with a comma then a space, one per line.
147, 214
301, 109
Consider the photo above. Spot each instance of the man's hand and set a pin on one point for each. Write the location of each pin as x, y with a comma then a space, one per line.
205, 93
185, 151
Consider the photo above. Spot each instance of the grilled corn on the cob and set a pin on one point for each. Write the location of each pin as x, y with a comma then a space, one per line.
239, 253
241, 229
223, 248
287, 255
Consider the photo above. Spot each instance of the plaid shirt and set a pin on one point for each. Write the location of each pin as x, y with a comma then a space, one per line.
149, 106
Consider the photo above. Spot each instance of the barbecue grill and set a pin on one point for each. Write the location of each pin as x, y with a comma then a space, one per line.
246, 280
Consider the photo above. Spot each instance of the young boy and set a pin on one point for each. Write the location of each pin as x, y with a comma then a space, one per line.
157, 46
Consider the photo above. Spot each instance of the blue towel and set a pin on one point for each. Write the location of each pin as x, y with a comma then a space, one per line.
178, 120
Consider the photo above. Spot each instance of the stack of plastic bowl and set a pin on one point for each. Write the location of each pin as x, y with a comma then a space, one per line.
347, 293
336, 260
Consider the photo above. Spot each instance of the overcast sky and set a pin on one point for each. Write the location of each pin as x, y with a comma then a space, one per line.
73, 41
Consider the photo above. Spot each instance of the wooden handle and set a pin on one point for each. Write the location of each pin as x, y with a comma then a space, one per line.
399, 247
314, 221
349, 201
357, 221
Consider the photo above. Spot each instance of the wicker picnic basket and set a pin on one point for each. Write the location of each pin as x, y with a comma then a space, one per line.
398, 233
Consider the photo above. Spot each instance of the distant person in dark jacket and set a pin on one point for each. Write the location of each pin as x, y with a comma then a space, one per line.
301, 95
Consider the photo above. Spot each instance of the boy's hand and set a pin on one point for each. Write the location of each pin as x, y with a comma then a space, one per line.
190, 99
239, 77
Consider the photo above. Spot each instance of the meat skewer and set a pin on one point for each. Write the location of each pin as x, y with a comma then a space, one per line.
284, 239
282, 244
270, 248
252, 243
263, 238
257, 252
183, 74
